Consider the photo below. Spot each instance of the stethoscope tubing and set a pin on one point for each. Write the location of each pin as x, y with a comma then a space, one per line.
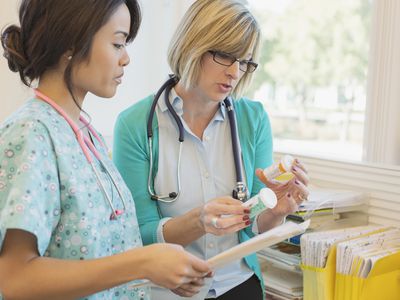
241, 190
166, 88
171, 196
235, 140
169, 83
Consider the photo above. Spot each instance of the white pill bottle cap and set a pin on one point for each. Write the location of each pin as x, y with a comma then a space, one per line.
268, 197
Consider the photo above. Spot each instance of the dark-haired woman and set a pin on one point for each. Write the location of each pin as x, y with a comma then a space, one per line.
68, 225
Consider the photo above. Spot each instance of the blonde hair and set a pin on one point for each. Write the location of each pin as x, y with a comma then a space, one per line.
223, 25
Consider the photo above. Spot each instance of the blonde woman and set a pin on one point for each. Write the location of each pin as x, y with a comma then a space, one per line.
182, 188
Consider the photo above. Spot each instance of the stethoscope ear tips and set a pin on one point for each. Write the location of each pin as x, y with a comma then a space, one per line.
173, 195
116, 213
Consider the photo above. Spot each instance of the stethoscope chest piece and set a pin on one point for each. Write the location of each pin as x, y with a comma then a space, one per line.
116, 214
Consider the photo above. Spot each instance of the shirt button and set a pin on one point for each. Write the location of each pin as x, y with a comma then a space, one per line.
206, 175
142, 294
207, 138
210, 245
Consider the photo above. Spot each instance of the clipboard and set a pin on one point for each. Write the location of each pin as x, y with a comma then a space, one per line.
266, 239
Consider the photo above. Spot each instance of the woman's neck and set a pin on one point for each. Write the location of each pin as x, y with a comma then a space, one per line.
53, 86
198, 111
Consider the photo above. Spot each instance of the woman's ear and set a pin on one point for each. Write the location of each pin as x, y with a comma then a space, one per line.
68, 54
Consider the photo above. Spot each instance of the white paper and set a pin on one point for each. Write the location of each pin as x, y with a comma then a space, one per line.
266, 239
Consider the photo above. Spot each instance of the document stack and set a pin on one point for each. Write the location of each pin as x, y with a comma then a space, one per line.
325, 209
282, 284
280, 264
359, 263
283, 255
323, 203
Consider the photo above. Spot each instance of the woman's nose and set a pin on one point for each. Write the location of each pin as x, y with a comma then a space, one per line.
125, 59
233, 70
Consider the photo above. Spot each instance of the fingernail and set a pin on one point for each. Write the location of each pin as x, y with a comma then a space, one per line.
294, 169
248, 223
296, 161
288, 195
246, 218
246, 211
296, 182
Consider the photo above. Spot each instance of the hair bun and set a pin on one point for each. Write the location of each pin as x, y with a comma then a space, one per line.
11, 41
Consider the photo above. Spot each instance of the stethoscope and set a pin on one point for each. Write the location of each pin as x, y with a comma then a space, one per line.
239, 192
87, 145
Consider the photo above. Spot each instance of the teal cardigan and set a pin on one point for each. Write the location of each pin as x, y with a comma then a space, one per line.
131, 156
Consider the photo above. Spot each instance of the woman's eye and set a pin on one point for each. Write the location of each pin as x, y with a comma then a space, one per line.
119, 46
224, 56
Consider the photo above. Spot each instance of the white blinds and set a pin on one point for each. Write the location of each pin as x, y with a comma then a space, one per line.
382, 124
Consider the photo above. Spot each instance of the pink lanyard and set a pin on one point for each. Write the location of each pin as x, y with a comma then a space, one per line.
86, 144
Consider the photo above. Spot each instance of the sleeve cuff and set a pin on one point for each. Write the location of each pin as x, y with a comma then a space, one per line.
160, 232
254, 227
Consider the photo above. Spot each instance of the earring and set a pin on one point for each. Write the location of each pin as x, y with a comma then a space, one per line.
69, 57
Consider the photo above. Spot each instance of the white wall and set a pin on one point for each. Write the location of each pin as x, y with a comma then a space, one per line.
13, 92
143, 76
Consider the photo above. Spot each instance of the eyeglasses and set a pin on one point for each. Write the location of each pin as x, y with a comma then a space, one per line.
228, 60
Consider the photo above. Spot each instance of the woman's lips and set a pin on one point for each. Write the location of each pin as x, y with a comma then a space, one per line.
224, 88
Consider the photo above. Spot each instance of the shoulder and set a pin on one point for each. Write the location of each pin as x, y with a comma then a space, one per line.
247, 105
32, 118
27, 135
137, 112
132, 122
250, 111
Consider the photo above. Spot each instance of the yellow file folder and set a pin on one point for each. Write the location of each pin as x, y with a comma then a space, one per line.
319, 283
383, 282
326, 284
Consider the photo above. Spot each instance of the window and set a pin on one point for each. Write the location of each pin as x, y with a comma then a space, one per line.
312, 75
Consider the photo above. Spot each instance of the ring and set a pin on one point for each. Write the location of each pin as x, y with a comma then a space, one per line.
303, 198
214, 222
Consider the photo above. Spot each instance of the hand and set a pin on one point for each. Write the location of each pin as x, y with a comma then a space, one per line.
224, 215
192, 288
170, 266
290, 194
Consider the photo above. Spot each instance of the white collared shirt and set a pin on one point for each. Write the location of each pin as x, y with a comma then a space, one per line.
207, 171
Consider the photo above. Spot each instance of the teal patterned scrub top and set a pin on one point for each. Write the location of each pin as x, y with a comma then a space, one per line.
48, 188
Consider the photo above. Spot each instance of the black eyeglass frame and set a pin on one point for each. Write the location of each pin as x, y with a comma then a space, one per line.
251, 66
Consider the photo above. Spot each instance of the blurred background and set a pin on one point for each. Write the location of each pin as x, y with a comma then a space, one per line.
328, 74
313, 72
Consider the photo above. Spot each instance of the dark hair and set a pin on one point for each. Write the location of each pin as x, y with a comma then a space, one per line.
49, 28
